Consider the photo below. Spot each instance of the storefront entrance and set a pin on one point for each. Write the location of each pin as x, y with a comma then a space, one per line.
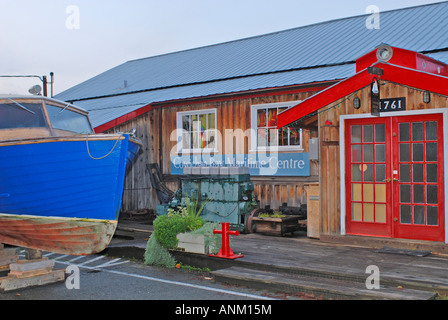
394, 177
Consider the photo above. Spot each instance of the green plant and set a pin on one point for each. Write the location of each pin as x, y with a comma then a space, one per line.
157, 255
275, 214
167, 227
192, 207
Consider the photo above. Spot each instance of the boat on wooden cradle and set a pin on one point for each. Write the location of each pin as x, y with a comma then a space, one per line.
61, 185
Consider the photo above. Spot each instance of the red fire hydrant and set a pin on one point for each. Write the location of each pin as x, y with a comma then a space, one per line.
226, 252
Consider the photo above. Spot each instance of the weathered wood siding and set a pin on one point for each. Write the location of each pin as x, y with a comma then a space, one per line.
232, 114
329, 143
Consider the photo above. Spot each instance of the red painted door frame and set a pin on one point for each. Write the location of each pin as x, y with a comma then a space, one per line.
364, 211
414, 230
361, 224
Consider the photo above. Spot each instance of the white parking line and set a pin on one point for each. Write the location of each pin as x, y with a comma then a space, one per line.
139, 276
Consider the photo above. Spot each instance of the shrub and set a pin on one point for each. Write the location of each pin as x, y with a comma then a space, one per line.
156, 255
167, 227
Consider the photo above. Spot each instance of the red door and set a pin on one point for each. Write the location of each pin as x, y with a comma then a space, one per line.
394, 177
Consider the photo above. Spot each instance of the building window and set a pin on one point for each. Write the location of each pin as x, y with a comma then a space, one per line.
264, 127
197, 131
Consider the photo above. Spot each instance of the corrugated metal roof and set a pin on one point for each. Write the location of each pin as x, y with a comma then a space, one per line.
323, 51
105, 109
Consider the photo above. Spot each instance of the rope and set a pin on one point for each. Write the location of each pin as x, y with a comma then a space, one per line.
113, 148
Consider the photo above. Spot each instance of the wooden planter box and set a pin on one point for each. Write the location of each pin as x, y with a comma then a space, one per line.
194, 243
276, 226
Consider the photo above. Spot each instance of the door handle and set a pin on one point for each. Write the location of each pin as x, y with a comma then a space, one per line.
386, 180
395, 219
396, 180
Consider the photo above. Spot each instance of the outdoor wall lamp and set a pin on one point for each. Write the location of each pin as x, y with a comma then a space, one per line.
357, 103
426, 97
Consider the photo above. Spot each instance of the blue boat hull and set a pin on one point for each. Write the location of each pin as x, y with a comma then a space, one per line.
68, 188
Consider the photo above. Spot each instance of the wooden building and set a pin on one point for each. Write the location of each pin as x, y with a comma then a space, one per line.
383, 136
218, 105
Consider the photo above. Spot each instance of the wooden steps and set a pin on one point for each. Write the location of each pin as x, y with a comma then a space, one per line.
317, 287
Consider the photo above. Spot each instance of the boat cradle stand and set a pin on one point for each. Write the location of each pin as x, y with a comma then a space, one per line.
34, 270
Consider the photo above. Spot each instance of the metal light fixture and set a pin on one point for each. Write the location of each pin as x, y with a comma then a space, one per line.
357, 103
384, 53
426, 97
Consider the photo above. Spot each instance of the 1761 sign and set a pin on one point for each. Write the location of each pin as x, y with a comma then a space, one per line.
394, 104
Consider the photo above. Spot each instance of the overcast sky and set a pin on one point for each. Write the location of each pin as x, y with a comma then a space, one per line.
79, 39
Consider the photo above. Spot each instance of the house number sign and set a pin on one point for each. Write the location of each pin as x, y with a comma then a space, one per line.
394, 104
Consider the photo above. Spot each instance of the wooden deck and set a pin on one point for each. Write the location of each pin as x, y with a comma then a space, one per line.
329, 264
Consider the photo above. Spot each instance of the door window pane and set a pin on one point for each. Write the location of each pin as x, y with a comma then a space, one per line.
380, 133
419, 193
368, 192
431, 130
367, 152
380, 193
357, 192
356, 172
405, 152
417, 131
368, 173
432, 216
432, 195
417, 151
431, 173
356, 134
417, 175
356, 153
357, 211
431, 151
405, 172
419, 215
405, 193
368, 212
367, 133
405, 214
404, 132
380, 172
380, 213
380, 153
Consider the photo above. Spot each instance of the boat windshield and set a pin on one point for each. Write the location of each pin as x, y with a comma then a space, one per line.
65, 119
21, 115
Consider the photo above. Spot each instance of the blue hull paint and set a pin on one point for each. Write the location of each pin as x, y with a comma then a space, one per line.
60, 178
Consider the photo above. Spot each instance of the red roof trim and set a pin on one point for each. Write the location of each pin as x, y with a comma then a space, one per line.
215, 98
401, 75
123, 119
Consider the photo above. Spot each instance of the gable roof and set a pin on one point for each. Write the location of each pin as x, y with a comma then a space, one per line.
319, 52
406, 72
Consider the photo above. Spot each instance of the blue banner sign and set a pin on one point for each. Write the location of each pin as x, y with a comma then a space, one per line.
274, 164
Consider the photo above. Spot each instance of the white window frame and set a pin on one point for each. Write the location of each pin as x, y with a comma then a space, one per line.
253, 115
180, 131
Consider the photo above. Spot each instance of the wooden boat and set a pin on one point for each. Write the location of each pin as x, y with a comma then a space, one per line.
60, 183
